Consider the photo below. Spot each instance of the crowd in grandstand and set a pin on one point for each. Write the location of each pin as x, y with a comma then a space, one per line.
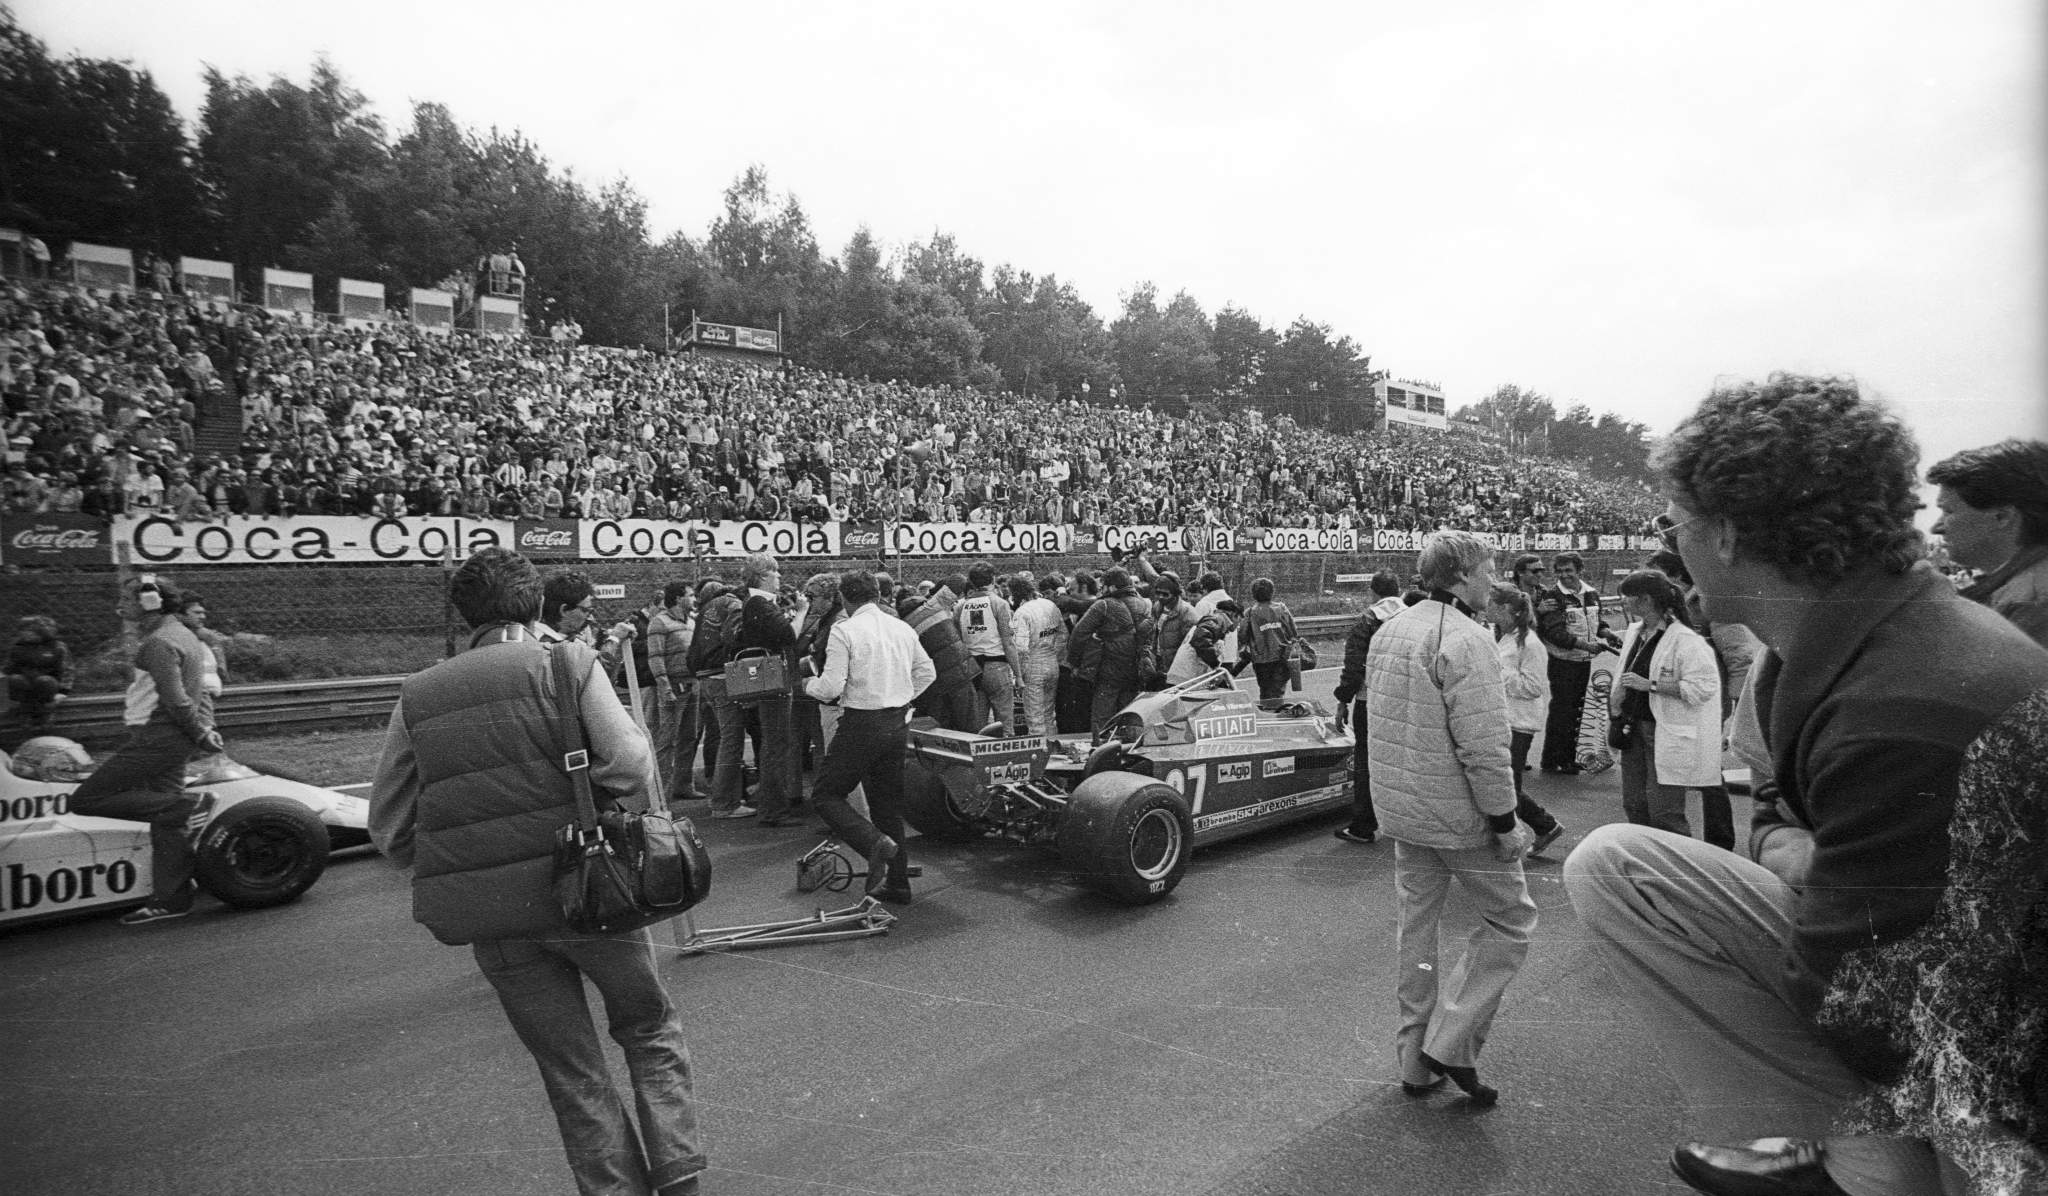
105, 396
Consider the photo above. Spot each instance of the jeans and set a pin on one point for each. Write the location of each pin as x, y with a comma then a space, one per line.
867, 752
1526, 807
1644, 801
145, 782
728, 779
776, 754
995, 695
675, 738
1107, 701
1696, 936
540, 985
1448, 1012
1567, 703
1364, 820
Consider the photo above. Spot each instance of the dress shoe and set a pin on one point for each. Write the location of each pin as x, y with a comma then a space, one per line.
1466, 1078
893, 894
879, 855
1765, 1167
1546, 838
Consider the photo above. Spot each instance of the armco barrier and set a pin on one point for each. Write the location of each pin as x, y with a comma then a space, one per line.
411, 600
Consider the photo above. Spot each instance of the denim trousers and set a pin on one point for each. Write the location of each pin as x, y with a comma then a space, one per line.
145, 782
540, 985
1449, 1012
995, 695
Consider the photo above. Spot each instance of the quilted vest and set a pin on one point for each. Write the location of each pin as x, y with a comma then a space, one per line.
493, 792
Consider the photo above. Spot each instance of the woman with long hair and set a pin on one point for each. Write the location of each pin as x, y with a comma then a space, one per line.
1667, 705
1525, 672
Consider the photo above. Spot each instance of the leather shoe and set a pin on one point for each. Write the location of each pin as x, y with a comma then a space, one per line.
879, 855
1765, 1167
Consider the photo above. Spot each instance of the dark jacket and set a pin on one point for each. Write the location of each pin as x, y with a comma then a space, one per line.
1121, 623
1895, 676
940, 635
1554, 610
41, 658
1351, 679
1212, 629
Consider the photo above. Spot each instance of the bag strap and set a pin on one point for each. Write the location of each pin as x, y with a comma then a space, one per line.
569, 718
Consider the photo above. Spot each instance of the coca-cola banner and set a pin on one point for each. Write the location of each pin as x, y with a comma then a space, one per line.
67, 541
306, 539
1157, 538
1297, 539
1386, 540
542, 539
860, 539
975, 539
661, 539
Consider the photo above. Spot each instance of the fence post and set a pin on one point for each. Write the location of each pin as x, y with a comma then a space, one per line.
448, 600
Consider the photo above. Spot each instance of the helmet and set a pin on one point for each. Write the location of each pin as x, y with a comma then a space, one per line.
51, 758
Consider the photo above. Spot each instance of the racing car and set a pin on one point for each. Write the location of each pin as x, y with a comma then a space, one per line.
266, 842
1188, 766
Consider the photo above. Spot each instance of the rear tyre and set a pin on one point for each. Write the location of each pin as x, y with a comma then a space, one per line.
1127, 836
927, 808
261, 852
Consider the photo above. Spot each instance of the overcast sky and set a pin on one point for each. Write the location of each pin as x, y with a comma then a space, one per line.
1610, 203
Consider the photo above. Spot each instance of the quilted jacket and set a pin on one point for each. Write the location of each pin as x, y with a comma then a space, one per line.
1437, 719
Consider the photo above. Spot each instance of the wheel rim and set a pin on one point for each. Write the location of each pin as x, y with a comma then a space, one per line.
265, 855
1155, 844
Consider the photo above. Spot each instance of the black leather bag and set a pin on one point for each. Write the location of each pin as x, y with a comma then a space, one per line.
1620, 731
757, 675
618, 870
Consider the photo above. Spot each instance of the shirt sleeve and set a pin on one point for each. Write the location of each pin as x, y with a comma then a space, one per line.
828, 685
395, 792
620, 760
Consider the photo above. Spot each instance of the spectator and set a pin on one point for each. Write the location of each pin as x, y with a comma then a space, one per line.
1994, 519
984, 619
716, 713
1792, 503
950, 697
1734, 649
170, 719
1568, 623
814, 720
39, 671
1111, 647
1524, 671
1668, 704
874, 664
1266, 636
1444, 790
1386, 589
765, 623
675, 688
473, 818
568, 604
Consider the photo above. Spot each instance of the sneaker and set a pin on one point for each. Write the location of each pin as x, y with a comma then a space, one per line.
1350, 836
195, 822
735, 812
1546, 838
152, 913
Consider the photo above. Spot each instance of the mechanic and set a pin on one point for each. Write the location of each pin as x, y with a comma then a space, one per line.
1792, 502
1043, 631
1444, 790
1364, 826
1568, 623
1073, 698
874, 666
1267, 636
985, 629
169, 715
1112, 647
474, 819
1994, 519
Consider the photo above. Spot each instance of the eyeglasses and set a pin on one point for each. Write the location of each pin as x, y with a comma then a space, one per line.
1667, 529
586, 606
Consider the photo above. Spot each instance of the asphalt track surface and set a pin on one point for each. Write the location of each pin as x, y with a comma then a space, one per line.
1012, 1034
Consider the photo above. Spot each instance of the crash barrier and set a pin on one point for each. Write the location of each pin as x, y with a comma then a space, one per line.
357, 604
305, 705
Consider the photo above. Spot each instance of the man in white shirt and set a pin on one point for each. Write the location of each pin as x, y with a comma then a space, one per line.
874, 666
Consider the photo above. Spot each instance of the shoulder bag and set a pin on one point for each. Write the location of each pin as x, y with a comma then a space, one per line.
621, 869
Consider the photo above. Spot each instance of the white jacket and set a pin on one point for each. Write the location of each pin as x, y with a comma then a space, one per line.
1437, 728
1525, 671
1689, 722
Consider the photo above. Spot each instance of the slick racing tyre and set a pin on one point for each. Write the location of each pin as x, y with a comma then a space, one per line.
259, 852
928, 810
1128, 836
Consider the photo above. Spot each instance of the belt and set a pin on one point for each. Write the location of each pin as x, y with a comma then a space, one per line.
993, 659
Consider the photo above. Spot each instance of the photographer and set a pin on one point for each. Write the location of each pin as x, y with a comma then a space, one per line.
474, 819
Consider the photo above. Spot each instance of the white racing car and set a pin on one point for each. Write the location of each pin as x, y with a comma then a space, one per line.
266, 843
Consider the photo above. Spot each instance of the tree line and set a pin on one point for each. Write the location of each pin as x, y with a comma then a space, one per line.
306, 177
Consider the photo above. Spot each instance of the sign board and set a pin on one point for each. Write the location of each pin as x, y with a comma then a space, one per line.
432, 310
204, 278
610, 592
63, 540
307, 539
361, 302
498, 316
288, 291
102, 266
